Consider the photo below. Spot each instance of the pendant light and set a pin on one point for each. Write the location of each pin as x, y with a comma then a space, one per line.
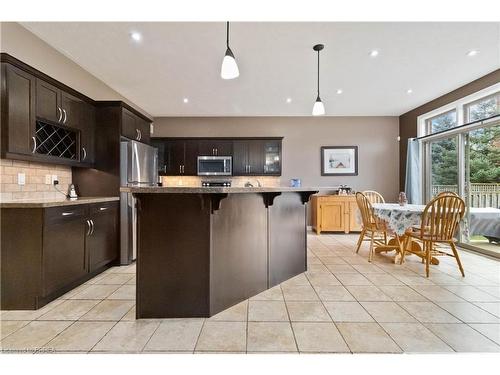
318, 108
229, 69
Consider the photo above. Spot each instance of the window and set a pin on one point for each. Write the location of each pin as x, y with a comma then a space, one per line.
483, 108
442, 122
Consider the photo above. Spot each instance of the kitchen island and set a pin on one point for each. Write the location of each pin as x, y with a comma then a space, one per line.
202, 250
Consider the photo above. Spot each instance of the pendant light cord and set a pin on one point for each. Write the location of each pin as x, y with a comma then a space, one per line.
227, 34
318, 74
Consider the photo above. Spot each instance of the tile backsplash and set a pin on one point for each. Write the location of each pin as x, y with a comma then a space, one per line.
235, 181
35, 177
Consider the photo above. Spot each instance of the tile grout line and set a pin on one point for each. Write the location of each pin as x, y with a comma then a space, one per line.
289, 319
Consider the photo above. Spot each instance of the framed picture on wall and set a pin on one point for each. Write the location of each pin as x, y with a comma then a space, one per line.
339, 160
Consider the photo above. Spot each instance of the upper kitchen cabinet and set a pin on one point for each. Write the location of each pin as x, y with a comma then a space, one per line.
251, 156
135, 127
272, 157
18, 111
215, 147
48, 102
248, 157
42, 119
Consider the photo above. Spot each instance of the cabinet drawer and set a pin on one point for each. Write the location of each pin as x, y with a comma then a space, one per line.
104, 207
59, 214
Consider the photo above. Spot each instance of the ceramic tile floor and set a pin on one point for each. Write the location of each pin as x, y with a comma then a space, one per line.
342, 304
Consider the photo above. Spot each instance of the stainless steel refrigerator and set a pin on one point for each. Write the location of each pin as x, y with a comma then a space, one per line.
138, 167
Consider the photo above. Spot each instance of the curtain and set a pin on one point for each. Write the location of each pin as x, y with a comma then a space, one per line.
413, 183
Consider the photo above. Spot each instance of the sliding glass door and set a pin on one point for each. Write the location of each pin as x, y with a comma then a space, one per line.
467, 162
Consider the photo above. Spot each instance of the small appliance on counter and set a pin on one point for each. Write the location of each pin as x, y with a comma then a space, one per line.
214, 183
345, 190
72, 192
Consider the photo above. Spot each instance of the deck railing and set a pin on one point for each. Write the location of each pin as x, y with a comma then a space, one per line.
481, 195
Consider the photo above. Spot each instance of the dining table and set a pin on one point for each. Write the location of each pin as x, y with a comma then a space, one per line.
398, 219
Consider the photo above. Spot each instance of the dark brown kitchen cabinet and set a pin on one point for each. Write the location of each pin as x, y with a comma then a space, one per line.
18, 111
208, 147
248, 158
48, 101
42, 119
251, 156
179, 157
64, 254
102, 240
61, 248
272, 157
135, 127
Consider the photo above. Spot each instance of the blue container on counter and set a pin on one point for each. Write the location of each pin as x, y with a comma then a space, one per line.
295, 182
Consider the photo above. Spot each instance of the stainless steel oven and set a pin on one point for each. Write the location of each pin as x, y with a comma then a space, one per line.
215, 165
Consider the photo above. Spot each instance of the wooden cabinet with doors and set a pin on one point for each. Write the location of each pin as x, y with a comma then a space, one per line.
215, 147
177, 157
61, 248
18, 111
42, 119
251, 156
135, 127
248, 158
334, 213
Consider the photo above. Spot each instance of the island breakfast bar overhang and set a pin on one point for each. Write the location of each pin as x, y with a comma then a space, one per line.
202, 250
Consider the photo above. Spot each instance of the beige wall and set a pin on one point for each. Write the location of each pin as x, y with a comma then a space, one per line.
27, 47
376, 138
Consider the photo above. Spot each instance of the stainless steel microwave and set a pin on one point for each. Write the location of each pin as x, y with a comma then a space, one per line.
215, 165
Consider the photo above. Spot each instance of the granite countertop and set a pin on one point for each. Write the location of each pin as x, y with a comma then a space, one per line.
215, 190
44, 203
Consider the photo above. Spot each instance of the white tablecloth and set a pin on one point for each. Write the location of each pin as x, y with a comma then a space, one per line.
399, 218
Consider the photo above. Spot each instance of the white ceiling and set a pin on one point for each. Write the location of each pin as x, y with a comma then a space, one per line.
276, 61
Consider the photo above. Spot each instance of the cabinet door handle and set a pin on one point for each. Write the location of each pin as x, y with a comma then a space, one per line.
164, 168
84, 153
183, 169
180, 168
59, 118
88, 230
93, 227
65, 116
216, 151
103, 208
34, 145
140, 134
137, 137
67, 213
249, 168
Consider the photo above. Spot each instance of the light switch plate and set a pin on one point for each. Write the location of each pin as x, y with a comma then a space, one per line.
21, 179
48, 179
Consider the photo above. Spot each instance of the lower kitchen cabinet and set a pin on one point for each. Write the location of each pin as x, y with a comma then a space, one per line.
59, 249
63, 247
102, 240
334, 213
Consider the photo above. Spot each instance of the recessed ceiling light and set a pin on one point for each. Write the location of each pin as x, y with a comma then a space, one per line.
339, 91
374, 53
136, 36
185, 100
472, 52
409, 91
288, 100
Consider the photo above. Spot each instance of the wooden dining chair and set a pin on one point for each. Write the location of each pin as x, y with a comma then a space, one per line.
372, 226
444, 193
440, 220
374, 196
